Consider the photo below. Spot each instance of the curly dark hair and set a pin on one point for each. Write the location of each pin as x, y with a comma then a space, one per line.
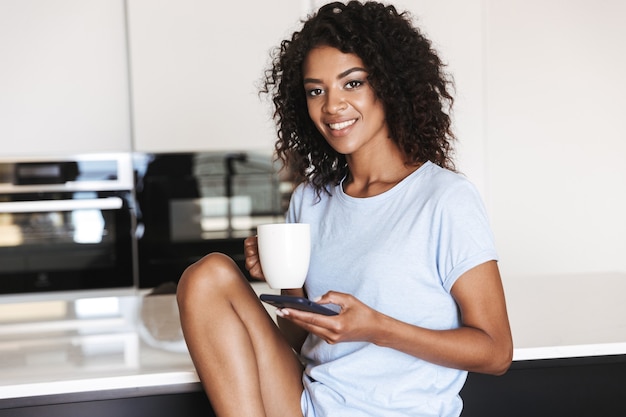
403, 69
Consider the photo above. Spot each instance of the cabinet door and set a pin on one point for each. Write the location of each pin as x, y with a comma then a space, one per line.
195, 70
63, 77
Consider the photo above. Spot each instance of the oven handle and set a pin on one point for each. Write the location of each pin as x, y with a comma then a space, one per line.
107, 203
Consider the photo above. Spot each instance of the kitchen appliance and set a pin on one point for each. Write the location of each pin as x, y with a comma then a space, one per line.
66, 224
191, 204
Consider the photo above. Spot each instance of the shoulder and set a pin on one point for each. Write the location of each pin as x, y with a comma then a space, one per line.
306, 193
305, 199
443, 183
302, 192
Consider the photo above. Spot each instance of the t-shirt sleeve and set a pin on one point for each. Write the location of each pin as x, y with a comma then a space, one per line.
465, 236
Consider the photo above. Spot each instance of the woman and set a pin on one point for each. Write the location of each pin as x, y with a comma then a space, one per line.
399, 241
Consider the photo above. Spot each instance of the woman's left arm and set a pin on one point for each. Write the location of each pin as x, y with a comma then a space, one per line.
482, 344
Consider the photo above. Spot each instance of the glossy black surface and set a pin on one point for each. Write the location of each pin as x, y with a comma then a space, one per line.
175, 192
590, 386
51, 257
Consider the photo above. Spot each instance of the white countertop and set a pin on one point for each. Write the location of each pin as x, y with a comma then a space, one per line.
131, 342
84, 354
59, 347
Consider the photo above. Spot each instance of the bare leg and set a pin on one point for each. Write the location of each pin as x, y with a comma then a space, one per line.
245, 364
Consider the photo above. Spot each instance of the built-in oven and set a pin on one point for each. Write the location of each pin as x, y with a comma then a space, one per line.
191, 204
67, 224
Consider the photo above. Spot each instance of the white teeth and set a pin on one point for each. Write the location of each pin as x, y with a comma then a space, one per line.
342, 125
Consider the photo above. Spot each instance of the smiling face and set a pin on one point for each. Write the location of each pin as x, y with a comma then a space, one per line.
341, 102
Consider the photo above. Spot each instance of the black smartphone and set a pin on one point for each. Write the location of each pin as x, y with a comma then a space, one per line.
297, 303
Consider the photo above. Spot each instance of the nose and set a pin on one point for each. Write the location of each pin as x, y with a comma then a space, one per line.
335, 102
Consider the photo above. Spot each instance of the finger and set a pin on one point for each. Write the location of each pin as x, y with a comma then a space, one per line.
315, 324
251, 261
334, 297
250, 241
253, 266
250, 246
310, 321
256, 272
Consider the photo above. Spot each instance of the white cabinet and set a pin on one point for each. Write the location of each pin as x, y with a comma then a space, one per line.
63, 77
195, 69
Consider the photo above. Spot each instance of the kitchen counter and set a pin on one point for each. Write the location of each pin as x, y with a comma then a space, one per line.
93, 348
569, 334
129, 346
101, 344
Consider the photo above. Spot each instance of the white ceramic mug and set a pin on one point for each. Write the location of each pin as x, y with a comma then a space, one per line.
284, 251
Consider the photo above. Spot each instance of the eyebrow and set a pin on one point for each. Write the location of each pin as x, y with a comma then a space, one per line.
340, 76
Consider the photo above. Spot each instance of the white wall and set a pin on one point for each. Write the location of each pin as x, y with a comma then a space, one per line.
556, 134
461, 47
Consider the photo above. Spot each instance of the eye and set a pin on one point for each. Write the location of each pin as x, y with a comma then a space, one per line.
314, 92
350, 85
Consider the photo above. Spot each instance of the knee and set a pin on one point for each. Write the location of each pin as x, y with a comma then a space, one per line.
207, 277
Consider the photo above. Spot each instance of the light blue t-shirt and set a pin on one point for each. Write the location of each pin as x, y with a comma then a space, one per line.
399, 252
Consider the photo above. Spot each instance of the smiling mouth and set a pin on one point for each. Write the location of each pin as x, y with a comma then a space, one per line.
341, 125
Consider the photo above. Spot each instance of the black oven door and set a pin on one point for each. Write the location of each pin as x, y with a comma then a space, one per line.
192, 204
66, 241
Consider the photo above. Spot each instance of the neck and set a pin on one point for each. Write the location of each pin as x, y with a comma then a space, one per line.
373, 175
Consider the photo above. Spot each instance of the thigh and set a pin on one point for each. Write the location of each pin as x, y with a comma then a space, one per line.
228, 330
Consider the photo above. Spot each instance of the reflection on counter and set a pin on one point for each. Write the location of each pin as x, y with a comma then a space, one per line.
47, 337
158, 321
94, 344
57, 340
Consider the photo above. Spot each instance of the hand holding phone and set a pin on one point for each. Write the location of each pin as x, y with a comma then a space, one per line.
297, 303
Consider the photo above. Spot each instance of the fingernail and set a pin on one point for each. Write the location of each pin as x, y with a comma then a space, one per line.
280, 313
316, 299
